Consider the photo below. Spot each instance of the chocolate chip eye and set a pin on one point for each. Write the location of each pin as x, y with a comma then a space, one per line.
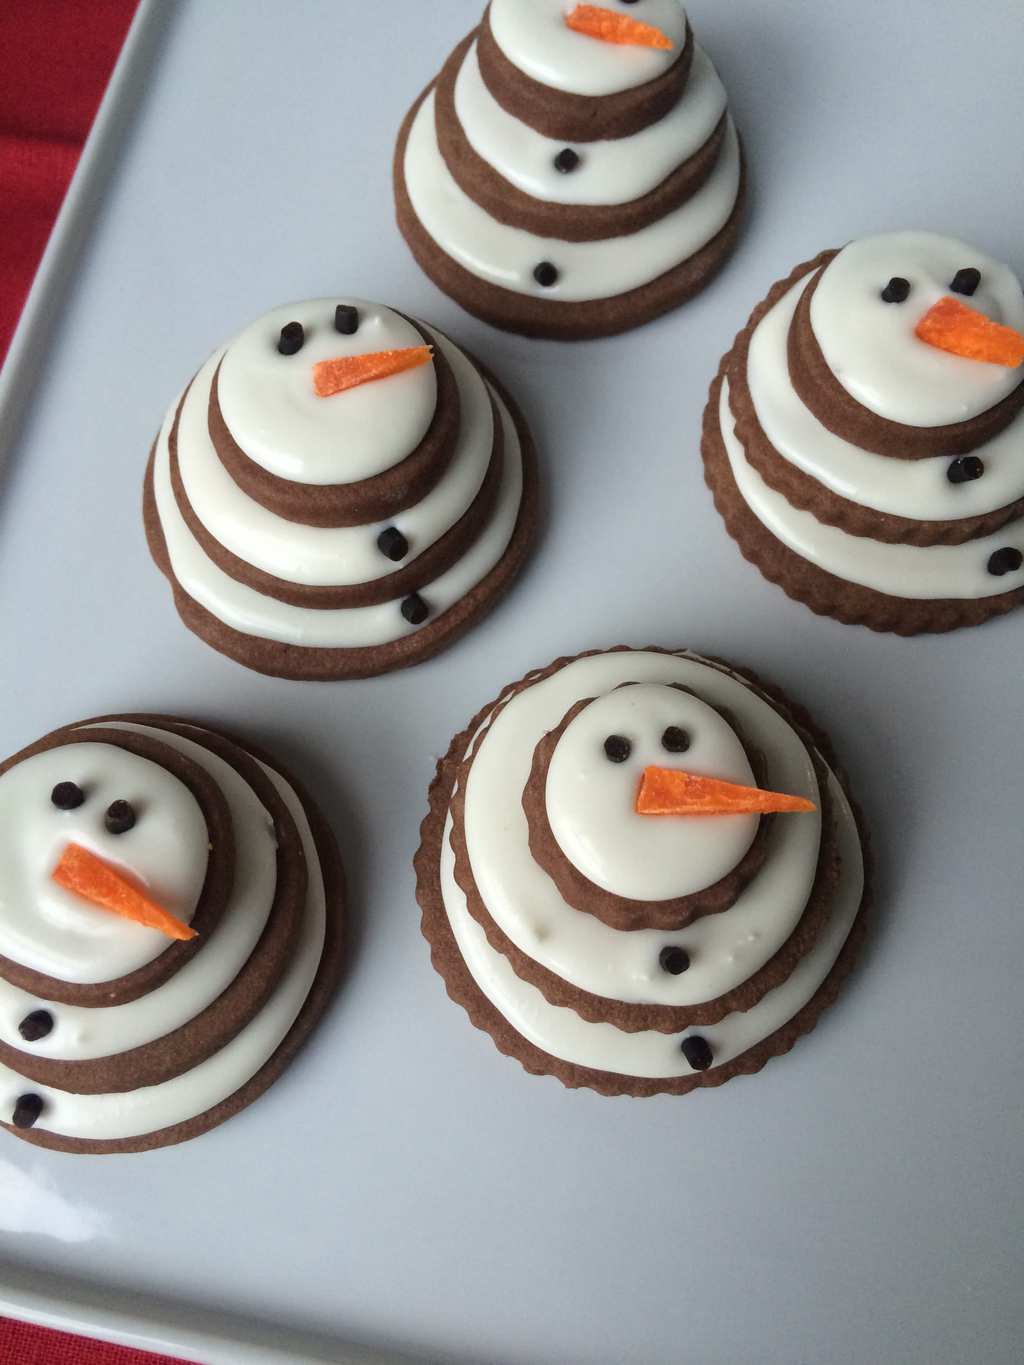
346, 319
675, 740
1007, 560
546, 275
617, 748
567, 160
67, 796
392, 544
120, 817
292, 339
966, 281
966, 469
415, 610
674, 960
697, 1052
896, 291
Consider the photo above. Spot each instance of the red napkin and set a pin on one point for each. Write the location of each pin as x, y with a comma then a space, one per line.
57, 58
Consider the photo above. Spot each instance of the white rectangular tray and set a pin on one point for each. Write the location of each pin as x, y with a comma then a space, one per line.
404, 1188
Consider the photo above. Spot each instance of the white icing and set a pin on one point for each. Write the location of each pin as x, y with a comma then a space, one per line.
917, 489
725, 948
561, 1032
269, 404
252, 613
82, 1034
534, 36
55, 932
870, 345
615, 171
345, 555
507, 256
931, 572
591, 801
137, 1112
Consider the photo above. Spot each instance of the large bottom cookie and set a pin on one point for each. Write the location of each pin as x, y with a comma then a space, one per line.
482, 980
553, 319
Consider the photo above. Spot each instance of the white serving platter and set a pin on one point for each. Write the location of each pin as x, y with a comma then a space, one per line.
404, 1191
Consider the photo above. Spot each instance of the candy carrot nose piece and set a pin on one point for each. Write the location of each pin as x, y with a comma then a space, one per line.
955, 327
667, 791
349, 371
97, 882
611, 27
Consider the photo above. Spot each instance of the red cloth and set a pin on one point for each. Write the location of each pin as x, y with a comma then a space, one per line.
55, 59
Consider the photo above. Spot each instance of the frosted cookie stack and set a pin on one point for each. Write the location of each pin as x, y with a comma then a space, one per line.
339, 491
574, 170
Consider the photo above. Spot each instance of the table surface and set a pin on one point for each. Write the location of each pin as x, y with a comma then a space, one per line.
404, 1185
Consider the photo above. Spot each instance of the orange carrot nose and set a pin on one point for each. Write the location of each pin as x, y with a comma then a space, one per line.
96, 881
667, 791
348, 371
611, 27
956, 327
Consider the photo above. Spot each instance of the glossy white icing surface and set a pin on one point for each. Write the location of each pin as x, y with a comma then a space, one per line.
870, 345
319, 556
725, 948
533, 35
137, 1112
270, 407
561, 1032
917, 489
591, 801
55, 932
507, 256
922, 573
252, 613
81, 1034
610, 172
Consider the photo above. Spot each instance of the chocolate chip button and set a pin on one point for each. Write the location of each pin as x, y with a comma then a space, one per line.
567, 160
36, 1025
674, 960
120, 817
415, 610
392, 544
1007, 560
27, 1109
292, 339
965, 470
896, 291
546, 275
67, 796
697, 1052
617, 748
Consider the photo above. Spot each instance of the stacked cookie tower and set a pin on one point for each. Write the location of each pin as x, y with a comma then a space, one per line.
170, 932
641, 872
338, 492
865, 435
573, 171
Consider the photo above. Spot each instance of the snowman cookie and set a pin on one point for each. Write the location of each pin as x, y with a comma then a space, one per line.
171, 911
339, 492
864, 438
574, 170
641, 872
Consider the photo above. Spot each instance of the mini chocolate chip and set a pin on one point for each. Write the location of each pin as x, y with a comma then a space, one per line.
120, 817
415, 610
697, 1052
67, 796
674, 959
346, 319
292, 339
675, 740
36, 1025
546, 275
392, 544
965, 470
896, 291
966, 281
27, 1109
617, 748
567, 160
1006, 560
